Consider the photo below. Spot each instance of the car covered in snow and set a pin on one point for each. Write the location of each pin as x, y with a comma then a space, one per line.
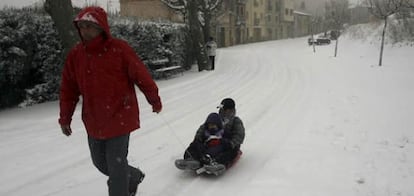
319, 41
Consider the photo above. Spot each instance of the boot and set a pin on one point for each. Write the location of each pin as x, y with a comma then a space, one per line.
187, 164
133, 187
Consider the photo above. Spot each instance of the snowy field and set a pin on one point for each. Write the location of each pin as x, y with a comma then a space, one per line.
315, 126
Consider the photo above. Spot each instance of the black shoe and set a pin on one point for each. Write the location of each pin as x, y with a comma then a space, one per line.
142, 176
133, 188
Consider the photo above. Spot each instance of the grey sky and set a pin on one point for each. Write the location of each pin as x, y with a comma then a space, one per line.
113, 5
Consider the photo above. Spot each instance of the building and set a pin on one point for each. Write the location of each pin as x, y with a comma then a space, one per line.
236, 21
269, 19
230, 25
255, 13
313, 7
287, 19
302, 24
148, 10
272, 19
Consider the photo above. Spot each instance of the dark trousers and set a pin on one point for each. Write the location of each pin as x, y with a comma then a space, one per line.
110, 157
212, 59
197, 151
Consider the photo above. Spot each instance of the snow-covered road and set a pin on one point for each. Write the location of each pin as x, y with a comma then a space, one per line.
315, 125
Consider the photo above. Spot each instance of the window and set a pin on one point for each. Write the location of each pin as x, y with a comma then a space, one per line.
256, 19
277, 5
269, 5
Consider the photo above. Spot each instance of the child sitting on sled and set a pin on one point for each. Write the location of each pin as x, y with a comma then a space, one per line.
217, 142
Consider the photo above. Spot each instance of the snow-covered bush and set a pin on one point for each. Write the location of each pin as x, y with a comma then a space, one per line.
47, 60
154, 41
402, 27
25, 45
398, 32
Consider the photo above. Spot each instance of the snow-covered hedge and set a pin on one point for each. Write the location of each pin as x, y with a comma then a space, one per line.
31, 52
30, 58
154, 41
400, 31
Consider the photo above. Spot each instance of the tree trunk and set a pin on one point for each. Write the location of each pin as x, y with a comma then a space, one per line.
206, 29
62, 16
382, 40
197, 36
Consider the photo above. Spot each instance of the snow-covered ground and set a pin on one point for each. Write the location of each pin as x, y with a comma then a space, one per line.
315, 126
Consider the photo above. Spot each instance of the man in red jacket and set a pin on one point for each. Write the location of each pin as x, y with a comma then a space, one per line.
103, 70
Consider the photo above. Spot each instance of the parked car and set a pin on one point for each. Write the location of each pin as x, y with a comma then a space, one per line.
319, 41
323, 40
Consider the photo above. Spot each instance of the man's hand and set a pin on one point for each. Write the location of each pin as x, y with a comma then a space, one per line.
157, 108
66, 130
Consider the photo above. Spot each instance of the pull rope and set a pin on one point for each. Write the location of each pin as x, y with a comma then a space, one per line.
174, 134
171, 130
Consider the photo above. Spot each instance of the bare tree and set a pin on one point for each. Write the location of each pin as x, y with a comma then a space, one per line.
180, 6
408, 3
337, 14
207, 10
197, 14
62, 15
382, 9
197, 35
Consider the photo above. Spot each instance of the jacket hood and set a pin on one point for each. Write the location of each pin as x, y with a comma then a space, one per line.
93, 14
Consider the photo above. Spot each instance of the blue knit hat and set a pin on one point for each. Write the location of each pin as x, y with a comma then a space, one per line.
215, 119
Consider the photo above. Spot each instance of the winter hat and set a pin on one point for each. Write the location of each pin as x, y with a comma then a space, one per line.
227, 103
87, 17
96, 15
214, 118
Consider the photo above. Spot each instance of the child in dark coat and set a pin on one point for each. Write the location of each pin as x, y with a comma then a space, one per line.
206, 144
217, 141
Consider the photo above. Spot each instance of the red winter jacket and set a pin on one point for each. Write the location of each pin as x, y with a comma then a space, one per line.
103, 71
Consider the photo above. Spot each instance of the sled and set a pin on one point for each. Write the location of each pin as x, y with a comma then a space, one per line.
210, 169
